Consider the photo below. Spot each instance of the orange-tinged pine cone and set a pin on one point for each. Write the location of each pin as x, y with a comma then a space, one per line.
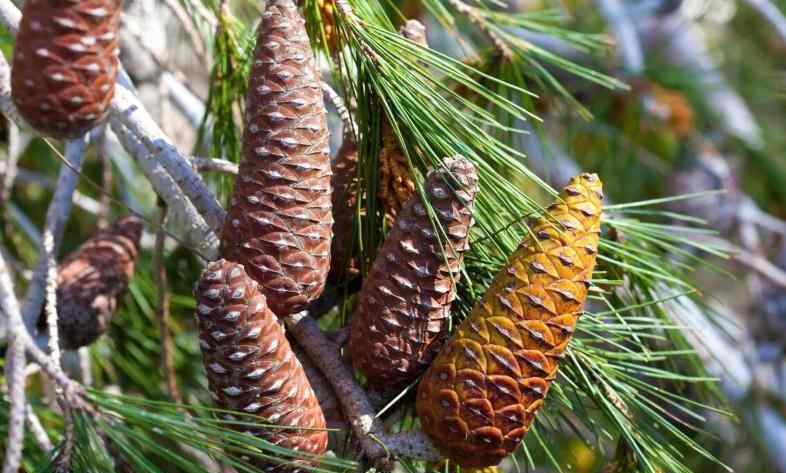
92, 280
327, 12
679, 114
396, 185
345, 200
404, 306
479, 397
65, 64
250, 365
279, 223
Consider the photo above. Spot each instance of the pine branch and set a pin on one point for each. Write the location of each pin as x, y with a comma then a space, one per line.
162, 310
167, 170
56, 218
38, 431
196, 233
214, 165
15, 379
185, 21
472, 15
358, 410
770, 12
627, 39
128, 113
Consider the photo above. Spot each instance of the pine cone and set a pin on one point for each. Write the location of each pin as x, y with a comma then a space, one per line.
250, 365
345, 199
279, 224
92, 280
479, 397
395, 180
65, 64
404, 306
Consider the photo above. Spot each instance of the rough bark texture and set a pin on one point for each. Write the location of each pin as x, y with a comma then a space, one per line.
92, 280
395, 180
65, 64
479, 397
345, 200
250, 365
404, 306
279, 223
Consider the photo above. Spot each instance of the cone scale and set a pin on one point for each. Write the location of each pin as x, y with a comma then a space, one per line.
250, 365
279, 222
480, 396
404, 306
65, 64
92, 280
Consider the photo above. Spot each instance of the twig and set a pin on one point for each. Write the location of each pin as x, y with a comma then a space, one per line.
56, 217
106, 177
50, 297
15, 149
772, 14
64, 454
15, 378
38, 431
214, 165
189, 104
129, 115
350, 127
376, 444
162, 310
185, 21
85, 366
197, 233
476, 19
627, 38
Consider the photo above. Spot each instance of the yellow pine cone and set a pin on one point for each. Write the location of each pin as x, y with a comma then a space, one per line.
480, 396
395, 180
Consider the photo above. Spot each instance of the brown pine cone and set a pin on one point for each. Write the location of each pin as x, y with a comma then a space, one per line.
251, 367
404, 306
65, 64
279, 223
480, 396
92, 280
345, 199
396, 185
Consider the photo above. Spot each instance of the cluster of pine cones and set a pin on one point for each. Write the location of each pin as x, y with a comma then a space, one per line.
479, 390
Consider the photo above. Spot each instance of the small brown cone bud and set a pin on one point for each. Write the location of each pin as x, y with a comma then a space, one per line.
345, 200
479, 397
396, 185
404, 306
65, 64
250, 365
92, 280
279, 223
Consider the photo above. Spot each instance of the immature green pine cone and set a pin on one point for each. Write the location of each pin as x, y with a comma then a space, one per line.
251, 367
479, 397
92, 280
404, 306
279, 223
65, 64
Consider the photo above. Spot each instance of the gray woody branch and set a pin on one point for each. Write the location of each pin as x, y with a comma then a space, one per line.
375, 442
134, 126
